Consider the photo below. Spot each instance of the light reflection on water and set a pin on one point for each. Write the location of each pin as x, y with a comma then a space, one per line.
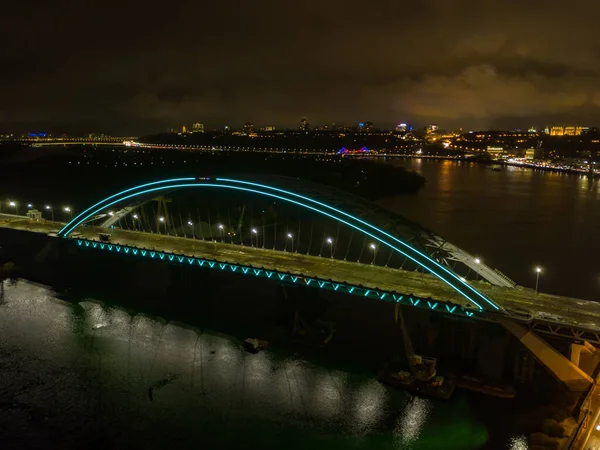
103, 362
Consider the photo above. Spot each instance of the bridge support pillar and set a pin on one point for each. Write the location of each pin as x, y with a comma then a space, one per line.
562, 368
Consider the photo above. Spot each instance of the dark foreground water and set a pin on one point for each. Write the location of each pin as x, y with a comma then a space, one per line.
78, 376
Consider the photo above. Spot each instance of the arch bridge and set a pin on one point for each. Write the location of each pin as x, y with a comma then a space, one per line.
440, 283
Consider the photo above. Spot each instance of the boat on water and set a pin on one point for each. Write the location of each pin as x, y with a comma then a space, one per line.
436, 387
475, 384
252, 345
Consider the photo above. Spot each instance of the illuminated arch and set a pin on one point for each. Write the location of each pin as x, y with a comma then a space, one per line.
409, 251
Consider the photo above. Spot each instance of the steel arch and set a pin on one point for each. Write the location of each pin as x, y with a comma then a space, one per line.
409, 251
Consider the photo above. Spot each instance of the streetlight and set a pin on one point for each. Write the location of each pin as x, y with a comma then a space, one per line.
191, 224
290, 236
14, 204
374, 248
29, 205
477, 261
49, 208
255, 232
135, 217
330, 242
110, 213
222, 231
538, 270
67, 209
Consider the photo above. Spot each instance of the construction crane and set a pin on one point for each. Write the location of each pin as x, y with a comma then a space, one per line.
422, 367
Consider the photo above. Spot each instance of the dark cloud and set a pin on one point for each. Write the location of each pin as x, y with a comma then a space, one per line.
138, 66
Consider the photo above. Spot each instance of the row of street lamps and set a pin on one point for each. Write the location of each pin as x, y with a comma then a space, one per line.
67, 209
14, 204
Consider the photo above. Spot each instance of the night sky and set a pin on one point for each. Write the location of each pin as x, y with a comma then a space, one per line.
131, 67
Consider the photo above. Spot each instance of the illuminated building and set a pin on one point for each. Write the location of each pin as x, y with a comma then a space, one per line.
248, 127
559, 130
402, 128
268, 128
304, 124
430, 129
495, 152
532, 130
530, 154
183, 129
198, 128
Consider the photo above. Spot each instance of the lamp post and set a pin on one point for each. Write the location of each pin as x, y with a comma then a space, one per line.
222, 228
477, 261
135, 218
254, 232
162, 220
374, 248
14, 205
49, 208
538, 270
330, 242
68, 210
290, 236
191, 224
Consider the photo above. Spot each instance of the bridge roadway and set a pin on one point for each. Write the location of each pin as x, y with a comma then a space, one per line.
563, 311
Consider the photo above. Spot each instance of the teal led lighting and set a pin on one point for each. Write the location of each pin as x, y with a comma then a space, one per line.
370, 226
322, 284
62, 230
320, 211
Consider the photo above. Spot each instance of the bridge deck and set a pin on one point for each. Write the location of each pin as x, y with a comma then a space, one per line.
551, 308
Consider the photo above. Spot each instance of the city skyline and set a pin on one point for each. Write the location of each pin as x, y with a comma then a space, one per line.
479, 66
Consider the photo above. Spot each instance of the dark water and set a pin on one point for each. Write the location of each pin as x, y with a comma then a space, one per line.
514, 220
78, 376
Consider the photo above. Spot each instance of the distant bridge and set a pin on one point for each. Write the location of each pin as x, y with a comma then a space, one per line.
437, 287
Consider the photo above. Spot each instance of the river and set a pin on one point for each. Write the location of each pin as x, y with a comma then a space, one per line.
78, 375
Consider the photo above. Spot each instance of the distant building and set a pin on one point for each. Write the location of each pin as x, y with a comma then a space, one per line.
530, 154
268, 128
402, 128
559, 130
198, 128
495, 152
183, 129
430, 129
304, 124
248, 127
365, 126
